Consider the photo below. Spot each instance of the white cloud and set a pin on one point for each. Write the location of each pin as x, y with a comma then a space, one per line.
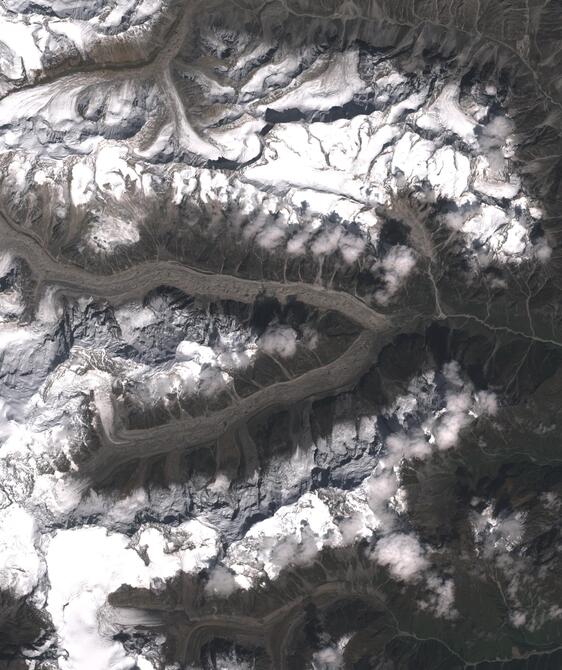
290, 551
271, 236
487, 402
221, 582
86, 564
402, 555
518, 619
329, 658
404, 445
213, 381
396, 265
351, 248
441, 599
326, 242
449, 427
352, 528
279, 340
440, 428
192, 351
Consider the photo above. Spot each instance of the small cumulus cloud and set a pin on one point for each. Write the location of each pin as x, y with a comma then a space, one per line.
329, 658
441, 597
279, 340
402, 555
221, 582
396, 266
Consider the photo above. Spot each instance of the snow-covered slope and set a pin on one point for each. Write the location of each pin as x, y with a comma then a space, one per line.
279, 334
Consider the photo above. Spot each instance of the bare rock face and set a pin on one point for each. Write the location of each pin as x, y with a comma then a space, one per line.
280, 335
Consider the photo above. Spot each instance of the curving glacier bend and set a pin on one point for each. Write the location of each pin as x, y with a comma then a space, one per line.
280, 335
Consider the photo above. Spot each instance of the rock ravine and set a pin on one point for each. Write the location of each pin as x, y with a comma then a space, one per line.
280, 335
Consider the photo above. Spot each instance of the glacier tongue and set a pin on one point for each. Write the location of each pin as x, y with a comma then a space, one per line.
279, 334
